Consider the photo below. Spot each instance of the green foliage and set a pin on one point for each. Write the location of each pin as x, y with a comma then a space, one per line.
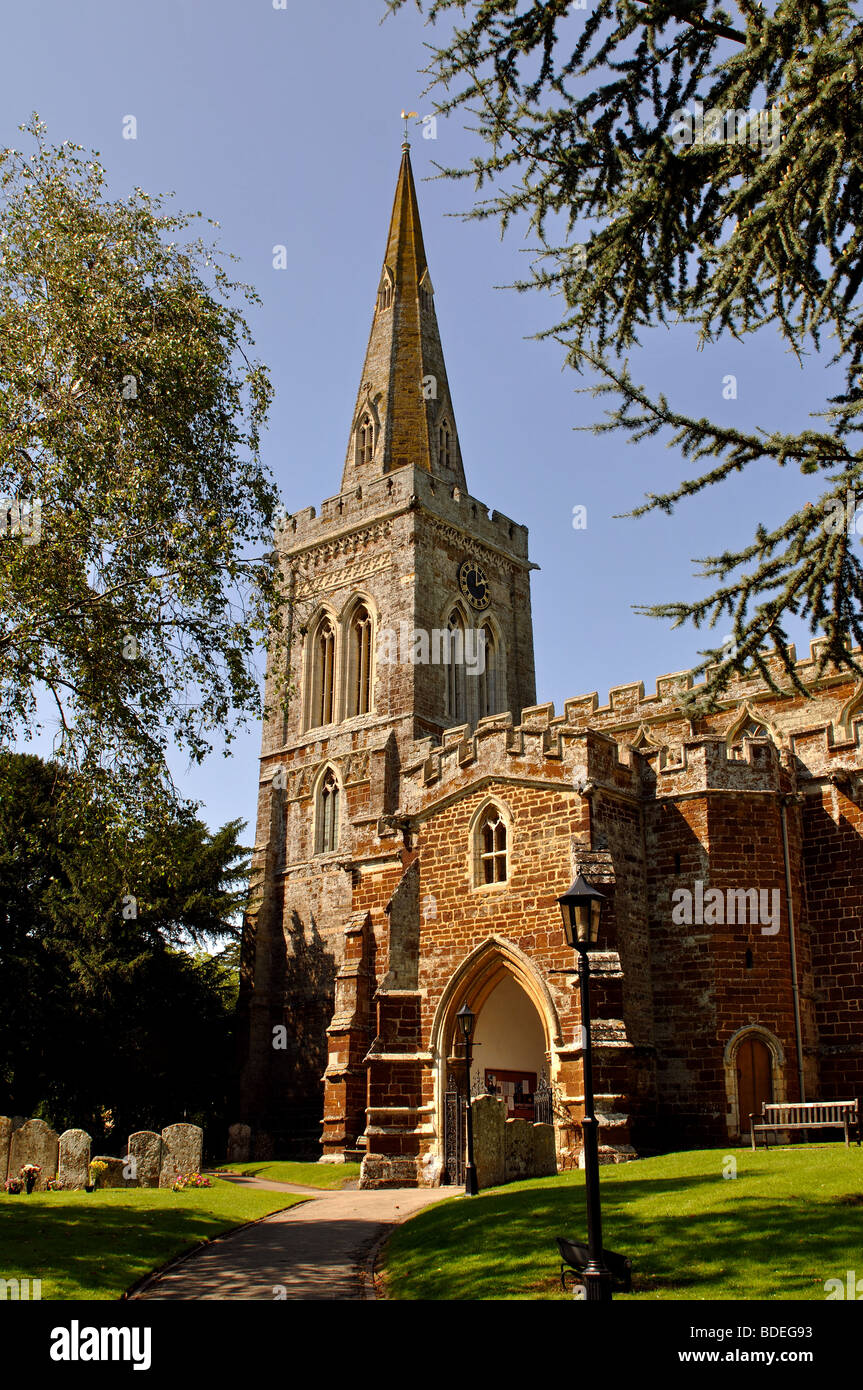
130, 408
112, 1015
637, 229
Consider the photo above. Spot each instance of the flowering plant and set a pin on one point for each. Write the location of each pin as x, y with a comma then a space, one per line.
14, 1184
183, 1180
54, 1185
97, 1168
29, 1172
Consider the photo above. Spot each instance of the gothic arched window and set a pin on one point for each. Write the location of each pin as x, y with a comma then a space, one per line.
385, 293
445, 445
365, 439
487, 684
323, 680
456, 703
328, 815
753, 728
360, 662
491, 847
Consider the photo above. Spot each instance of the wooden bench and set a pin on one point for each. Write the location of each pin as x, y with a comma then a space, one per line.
810, 1114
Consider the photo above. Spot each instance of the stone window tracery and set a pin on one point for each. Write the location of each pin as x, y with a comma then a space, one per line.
753, 728
487, 682
365, 440
323, 685
456, 701
491, 847
360, 662
328, 815
385, 293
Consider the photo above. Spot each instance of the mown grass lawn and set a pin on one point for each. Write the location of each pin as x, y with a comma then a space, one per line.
95, 1245
329, 1175
789, 1220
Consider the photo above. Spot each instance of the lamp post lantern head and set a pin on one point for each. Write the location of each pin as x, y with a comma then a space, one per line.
581, 909
466, 1018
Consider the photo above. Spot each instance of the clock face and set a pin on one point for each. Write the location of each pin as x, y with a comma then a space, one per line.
473, 584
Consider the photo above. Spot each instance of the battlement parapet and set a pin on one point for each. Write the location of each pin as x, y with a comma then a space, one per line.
404, 489
706, 764
589, 760
629, 702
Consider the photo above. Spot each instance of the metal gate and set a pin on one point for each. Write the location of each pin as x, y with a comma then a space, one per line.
543, 1107
453, 1132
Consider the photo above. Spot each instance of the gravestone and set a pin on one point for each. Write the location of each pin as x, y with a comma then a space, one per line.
113, 1175
544, 1159
518, 1149
182, 1152
489, 1118
5, 1141
74, 1169
239, 1143
35, 1142
145, 1147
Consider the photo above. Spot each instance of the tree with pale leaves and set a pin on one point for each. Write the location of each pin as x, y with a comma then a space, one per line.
137, 572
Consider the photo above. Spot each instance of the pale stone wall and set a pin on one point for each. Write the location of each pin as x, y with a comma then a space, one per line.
509, 1150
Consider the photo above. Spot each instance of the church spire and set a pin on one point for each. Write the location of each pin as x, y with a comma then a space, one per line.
403, 413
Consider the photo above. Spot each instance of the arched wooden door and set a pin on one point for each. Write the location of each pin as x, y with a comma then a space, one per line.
754, 1079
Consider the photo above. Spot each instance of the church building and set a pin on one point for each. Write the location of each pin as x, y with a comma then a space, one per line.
420, 813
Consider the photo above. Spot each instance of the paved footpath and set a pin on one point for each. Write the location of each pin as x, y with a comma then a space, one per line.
319, 1249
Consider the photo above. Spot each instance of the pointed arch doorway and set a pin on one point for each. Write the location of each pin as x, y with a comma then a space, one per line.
516, 1030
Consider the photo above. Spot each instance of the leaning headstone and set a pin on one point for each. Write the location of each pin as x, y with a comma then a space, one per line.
5, 1141
543, 1156
145, 1158
239, 1143
489, 1118
35, 1142
182, 1152
518, 1149
113, 1174
74, 1168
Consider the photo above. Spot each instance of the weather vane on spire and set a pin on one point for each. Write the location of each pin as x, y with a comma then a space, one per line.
406, 115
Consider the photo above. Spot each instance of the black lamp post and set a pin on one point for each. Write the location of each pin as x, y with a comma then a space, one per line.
581, 910
466, 1020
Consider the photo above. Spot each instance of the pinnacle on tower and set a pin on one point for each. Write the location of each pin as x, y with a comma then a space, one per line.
403, 413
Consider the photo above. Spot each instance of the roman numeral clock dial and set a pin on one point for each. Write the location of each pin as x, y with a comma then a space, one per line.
473, 583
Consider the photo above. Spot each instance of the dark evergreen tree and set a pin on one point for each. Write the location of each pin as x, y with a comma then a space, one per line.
646, 216
113, 1016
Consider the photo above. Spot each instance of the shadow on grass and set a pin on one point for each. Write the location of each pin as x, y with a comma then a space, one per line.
96, 1250
502, 1244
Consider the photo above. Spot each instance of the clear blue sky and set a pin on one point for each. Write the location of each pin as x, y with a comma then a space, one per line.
284, 125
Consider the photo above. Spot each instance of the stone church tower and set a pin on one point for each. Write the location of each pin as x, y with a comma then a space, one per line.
419, 814
400, 569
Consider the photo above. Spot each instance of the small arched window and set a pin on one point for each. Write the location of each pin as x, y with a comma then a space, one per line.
360, 659
491, 847
445, 445
385, 293
328, 815
323, 685
487, 687
365, 439
456, 702
753, 728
